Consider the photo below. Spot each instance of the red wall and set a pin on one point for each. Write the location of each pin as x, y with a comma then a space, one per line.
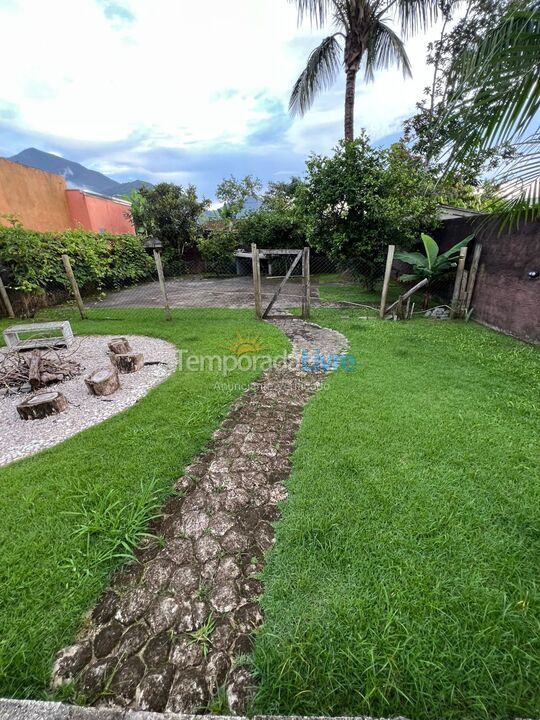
100, 214
36, 198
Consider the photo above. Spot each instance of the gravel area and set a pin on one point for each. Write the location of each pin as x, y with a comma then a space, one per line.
20, 438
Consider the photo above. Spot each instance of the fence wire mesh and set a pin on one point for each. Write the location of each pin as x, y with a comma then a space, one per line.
223, 283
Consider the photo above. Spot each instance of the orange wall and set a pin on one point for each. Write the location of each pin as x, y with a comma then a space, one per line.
37, 198
99, 214
41, 201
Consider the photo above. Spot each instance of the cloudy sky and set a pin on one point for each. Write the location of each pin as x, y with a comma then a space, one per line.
178, 91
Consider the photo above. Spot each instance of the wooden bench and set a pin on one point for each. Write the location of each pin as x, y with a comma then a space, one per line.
37, 336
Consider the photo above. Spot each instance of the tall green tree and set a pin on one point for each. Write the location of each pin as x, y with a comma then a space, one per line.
235, 193
362, 35
361, 199
171, 213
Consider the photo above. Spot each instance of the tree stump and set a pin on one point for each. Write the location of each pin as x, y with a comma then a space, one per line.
127, 362
119, 346
40, 406
104, 381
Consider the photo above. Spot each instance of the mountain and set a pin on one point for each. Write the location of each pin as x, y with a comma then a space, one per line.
75, 174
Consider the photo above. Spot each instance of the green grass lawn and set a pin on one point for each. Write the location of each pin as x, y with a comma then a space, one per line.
404, 579
48, 579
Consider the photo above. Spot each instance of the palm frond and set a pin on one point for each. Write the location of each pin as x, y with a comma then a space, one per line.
385, 48
316, 10
520, 207
416, 15
498, 83
321, 70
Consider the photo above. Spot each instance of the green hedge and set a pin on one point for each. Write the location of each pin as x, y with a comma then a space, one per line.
31, 261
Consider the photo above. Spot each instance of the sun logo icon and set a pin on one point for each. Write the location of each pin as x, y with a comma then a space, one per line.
245, 344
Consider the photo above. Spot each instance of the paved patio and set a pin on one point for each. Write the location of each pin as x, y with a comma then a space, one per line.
198, 291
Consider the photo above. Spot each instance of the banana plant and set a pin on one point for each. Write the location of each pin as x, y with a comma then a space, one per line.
433, 265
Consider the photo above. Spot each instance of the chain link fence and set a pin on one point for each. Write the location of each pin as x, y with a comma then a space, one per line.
355, 284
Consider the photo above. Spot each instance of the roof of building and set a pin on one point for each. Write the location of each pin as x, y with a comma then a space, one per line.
450, 212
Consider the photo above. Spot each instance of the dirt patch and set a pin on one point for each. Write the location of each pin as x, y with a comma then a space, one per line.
174, 627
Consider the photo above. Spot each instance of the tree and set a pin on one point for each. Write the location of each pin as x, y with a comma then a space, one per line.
234, 193
170, 212
427, 132
486, 103
276, 223
362, 35
361, 199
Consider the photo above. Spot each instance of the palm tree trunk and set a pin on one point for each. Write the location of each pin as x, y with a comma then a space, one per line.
350, 89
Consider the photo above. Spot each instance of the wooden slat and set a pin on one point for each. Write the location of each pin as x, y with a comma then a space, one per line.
406, 295
457, 283
386, 282
306, 284
281, 284
256, 266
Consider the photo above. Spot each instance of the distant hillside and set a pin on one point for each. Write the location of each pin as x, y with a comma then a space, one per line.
75, 174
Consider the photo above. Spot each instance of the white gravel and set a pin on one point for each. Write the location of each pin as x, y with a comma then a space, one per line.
19, 438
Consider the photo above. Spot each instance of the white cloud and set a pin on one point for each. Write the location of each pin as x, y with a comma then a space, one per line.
177, 75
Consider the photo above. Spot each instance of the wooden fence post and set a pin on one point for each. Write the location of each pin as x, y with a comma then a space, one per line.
306, 284
472, 276
386, 282
6, 300
161, 277
256, 279
74, 286
454, 308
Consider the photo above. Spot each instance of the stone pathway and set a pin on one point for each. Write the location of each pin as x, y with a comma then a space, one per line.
173, 629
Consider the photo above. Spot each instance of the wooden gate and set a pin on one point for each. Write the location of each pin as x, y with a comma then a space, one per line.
298, 256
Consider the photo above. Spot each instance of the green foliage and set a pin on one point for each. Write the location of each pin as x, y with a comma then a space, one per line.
110, 527
33, 259
171, 213
217, 248
361, 199
277, 223
432, 265
234, 194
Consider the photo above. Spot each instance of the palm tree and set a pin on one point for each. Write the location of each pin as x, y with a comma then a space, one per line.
362, 34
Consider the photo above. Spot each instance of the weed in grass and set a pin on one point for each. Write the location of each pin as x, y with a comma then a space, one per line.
103, 520
203, 593
219, 705
202, 635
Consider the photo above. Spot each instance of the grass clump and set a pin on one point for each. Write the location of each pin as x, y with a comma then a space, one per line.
404, 578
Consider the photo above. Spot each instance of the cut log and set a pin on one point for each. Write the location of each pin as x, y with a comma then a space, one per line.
33, 369
120, 346
127, 362
104, 381
40, 406
46, 378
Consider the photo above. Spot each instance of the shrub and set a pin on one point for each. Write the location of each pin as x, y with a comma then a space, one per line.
217, 250
31, 261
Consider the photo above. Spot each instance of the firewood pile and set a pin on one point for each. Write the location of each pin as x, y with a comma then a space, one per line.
36, 369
